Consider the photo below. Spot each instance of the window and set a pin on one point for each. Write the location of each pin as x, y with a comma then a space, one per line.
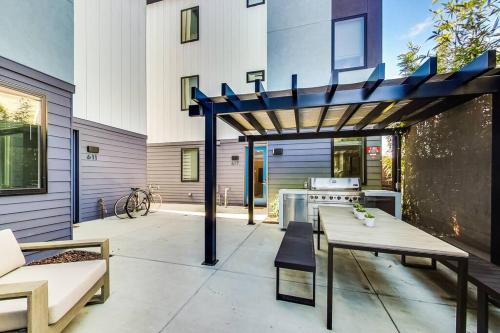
348, 158
252, 3
256, 75
349, 43
190, 25
187, 83
190, 169
22, 143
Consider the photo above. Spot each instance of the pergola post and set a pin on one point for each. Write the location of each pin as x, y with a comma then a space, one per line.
495, 180
250, 181
396, 161
210, 184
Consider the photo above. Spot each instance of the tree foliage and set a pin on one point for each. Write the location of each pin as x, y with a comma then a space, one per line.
24, 113
463, 29
4, 115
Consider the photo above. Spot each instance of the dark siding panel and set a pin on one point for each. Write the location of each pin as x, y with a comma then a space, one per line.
301, 159
120, 165
44, 217
164, 170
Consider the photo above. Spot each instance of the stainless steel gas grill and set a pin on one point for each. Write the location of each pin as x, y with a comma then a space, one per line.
331, 192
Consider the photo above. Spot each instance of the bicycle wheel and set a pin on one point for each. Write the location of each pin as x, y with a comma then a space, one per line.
137, 204
156, 201
120, 205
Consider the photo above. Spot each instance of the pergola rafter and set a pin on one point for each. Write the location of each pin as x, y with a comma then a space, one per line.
369, 108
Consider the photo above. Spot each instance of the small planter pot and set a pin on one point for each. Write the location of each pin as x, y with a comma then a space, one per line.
354, 210
360, 215
370, 222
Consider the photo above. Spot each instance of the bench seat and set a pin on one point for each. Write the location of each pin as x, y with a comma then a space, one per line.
296, 252
67, 284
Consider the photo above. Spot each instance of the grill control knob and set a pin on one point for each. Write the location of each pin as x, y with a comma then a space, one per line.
331, 197
323, 197
311, 197
315, 197
338, 198
347, 198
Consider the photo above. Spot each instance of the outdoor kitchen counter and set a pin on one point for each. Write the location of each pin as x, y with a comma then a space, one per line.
389, 235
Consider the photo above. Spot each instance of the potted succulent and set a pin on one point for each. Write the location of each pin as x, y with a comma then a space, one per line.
356, 206
360, 213
369, 219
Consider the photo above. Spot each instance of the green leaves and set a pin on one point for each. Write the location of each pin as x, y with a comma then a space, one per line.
463, 30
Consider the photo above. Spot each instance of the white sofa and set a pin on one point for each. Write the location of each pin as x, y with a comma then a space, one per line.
46, 298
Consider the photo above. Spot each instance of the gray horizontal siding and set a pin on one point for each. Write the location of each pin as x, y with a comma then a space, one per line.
164, 169
44, 217
120, 165
301, 159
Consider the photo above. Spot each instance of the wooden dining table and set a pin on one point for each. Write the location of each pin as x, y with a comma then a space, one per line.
389, 235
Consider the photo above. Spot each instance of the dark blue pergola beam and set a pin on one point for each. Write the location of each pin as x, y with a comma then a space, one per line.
426, 71
351, 110
260, 92
477, 67
472, 70
373, 114
295, 99
480, 85
228, 119
330, 92
228, 94
254, 122
374, 80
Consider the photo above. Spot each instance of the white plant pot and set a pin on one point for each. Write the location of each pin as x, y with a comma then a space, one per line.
360, 215
370, 222
354, 210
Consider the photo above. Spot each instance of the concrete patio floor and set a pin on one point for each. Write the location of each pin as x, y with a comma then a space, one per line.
159, 285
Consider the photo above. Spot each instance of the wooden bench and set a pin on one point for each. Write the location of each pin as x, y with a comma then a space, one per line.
296, 252
486, 277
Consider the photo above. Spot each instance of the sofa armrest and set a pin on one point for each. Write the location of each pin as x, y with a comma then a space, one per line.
103, 244
38, 303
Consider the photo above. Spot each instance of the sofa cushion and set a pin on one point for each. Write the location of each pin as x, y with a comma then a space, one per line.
67, 284
11, 255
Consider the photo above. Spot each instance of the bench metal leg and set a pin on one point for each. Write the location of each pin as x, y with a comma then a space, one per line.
319, 234
482, 310
432, 266
295, 299
329, 292
461, 319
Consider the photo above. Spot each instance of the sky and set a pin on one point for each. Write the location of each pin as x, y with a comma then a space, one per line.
404, 21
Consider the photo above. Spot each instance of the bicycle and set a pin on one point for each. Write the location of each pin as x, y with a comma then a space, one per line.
155, 198
135, 204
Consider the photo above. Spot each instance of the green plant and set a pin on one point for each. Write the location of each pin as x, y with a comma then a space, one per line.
360, 210
274, 210
369, 215
463, 29
357, 205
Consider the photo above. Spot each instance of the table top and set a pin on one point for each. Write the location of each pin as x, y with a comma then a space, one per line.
389, 233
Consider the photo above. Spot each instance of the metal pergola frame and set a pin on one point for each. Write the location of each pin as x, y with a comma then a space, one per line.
375, 107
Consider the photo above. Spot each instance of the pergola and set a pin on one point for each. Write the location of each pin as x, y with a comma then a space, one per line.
372, 108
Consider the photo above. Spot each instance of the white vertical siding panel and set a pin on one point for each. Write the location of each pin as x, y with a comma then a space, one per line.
105, 61
110, 63
93, 65
230, 45
116, 64
79, 98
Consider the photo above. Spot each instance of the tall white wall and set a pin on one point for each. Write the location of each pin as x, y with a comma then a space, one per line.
110, 63
233, 41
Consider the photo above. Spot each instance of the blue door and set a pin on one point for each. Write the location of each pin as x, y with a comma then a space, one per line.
259, 176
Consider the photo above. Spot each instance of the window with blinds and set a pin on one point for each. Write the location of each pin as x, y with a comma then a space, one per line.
350, 43
190, 165
190, 29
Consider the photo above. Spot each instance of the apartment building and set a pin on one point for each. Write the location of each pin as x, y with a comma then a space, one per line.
204, 43
72, 112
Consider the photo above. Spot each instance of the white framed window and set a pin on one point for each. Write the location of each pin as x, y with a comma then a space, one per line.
23, 142
252, 3
349, 50
187, 84
190, 25
190, 165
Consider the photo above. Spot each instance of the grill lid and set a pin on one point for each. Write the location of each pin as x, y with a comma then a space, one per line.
335, 184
